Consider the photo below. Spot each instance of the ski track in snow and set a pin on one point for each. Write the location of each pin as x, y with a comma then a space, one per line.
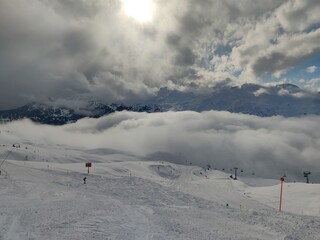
38, 202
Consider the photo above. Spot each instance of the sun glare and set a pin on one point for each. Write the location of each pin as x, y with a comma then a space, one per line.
140, 10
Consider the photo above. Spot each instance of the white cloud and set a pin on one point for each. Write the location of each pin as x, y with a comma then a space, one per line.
311, 69
297, 15
283, 92
313, 84
269, 146
261, 91
92, 47
279, 41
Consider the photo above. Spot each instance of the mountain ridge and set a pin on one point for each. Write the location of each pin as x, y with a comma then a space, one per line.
287, 100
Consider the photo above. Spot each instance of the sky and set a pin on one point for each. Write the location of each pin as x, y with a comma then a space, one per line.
126, 50
269, 147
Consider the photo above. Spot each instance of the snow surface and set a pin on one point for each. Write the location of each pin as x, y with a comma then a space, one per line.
125, 198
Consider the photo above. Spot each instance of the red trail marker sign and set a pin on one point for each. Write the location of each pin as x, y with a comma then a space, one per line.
88, 165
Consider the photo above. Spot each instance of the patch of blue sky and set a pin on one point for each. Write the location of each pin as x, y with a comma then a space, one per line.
298, 74
223, 50
313, 27
237, 73
300, 71
268, 78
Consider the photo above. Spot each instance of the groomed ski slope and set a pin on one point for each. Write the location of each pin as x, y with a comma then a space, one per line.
132, 199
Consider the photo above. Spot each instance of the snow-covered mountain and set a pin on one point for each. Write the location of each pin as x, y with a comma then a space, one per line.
60, 114
286, 99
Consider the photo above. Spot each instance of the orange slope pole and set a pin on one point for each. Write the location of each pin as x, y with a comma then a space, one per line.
281, 189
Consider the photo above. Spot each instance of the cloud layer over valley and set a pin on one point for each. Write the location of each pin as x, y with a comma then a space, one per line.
269, 147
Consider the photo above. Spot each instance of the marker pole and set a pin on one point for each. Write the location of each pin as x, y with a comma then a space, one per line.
281, 189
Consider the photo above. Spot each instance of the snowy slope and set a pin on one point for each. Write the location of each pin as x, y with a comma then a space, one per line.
132, 199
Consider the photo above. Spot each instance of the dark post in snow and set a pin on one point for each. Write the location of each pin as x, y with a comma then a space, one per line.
235, 173
306, 175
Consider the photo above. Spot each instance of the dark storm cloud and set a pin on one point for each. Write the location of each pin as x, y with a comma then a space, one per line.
191, 24
38, 53
276, 60
63, 48
279, 62
75, 8
173, 39
76, 41
185, 56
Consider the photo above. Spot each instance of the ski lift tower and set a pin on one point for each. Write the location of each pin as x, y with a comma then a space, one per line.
306, 175
235, 173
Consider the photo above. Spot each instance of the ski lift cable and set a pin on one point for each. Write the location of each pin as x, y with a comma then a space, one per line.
6, 156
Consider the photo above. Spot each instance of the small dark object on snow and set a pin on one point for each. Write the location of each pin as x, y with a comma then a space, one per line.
84, 180
227, 205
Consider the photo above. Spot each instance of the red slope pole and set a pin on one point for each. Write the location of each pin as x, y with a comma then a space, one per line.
281, 187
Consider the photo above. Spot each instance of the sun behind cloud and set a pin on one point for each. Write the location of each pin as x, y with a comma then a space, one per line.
140, 10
